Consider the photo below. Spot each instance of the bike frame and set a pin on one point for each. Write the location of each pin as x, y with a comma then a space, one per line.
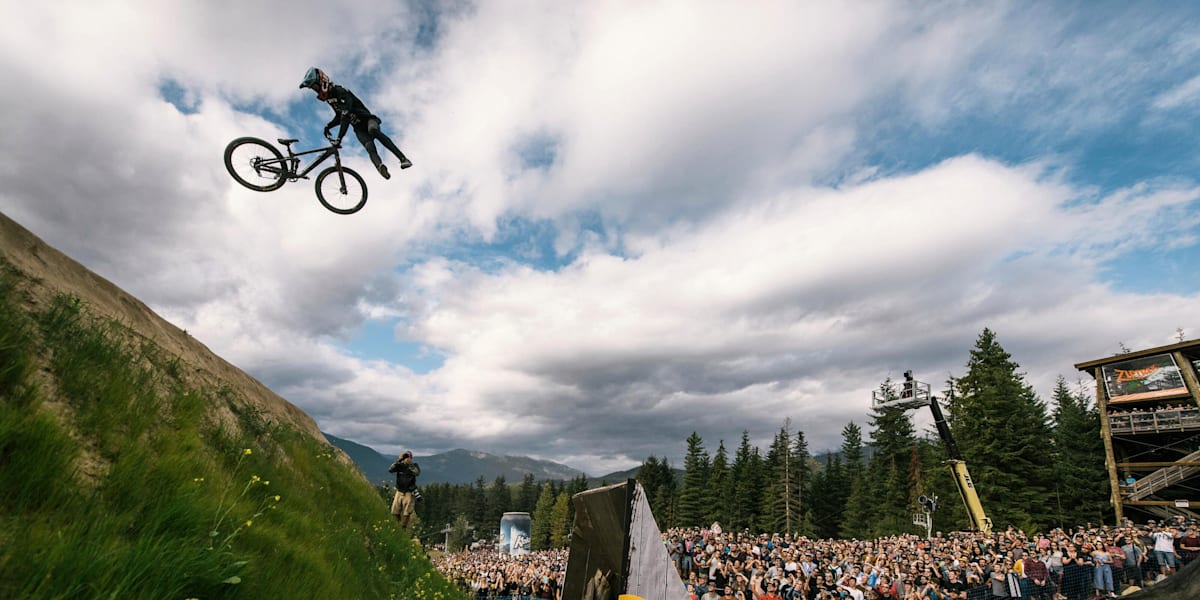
291, 164
293, 161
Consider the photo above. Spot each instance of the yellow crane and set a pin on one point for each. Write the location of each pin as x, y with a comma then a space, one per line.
915, 394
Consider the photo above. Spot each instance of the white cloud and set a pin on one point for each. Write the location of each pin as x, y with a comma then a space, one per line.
731, 284
793, 306
1182, 95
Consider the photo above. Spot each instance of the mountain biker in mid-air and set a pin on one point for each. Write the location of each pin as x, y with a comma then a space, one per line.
349, 110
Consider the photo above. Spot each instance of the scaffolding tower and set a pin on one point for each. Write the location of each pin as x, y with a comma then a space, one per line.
1149, 403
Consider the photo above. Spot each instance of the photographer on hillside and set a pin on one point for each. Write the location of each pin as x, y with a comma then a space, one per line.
406, 487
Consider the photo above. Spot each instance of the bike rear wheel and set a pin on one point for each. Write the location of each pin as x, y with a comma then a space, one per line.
255, 164
341, 200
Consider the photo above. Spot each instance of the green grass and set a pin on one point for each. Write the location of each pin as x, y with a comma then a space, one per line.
117, 482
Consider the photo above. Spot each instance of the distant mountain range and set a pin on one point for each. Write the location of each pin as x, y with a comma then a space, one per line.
459, 466
465, 466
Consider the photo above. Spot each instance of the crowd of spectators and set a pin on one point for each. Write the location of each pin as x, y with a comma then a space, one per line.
486, 573
1077, 564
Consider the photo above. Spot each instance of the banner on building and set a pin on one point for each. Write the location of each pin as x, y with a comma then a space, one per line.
1143, 378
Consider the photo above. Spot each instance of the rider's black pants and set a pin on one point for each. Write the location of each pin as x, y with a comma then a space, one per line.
368, 133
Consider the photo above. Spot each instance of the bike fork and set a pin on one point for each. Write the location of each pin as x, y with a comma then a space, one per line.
337, 161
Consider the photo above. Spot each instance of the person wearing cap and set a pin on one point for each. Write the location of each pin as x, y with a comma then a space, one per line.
1164, 549
406, 486
807, 565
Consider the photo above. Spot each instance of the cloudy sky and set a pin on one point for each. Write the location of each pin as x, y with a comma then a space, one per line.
627, 221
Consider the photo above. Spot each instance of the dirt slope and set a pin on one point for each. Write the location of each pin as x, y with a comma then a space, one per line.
50, 272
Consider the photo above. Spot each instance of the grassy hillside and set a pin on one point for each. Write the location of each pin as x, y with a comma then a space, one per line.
122, 477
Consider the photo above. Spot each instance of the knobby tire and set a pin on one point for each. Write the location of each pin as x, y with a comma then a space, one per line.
330, 194
245, 158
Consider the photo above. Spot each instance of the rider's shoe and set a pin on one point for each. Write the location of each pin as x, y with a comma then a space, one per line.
383, 171
405, 163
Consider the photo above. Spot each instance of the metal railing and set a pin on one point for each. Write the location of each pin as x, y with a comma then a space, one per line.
1157, 421
1162, 478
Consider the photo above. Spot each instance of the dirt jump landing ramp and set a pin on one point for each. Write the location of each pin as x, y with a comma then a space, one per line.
617, 549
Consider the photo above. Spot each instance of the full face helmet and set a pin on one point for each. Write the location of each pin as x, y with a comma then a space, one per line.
318, 81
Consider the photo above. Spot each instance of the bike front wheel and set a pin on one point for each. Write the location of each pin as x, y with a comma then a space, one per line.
255, 164
343, 194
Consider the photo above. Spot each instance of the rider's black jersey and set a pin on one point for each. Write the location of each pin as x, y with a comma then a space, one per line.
347, 109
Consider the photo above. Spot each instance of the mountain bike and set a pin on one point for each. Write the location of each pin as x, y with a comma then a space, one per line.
259, 166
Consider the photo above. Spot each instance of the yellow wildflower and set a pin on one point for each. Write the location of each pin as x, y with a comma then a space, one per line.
246, 452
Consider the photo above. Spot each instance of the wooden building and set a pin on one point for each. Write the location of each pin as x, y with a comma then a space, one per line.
1149, 404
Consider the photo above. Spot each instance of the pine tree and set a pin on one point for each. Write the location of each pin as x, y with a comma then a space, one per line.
695, 483
1003, 432
460, 534
746, 472
440, 503
802, 520
830, 491
560, 533
852, 449
781, 484
856, 521
658, 479
1081, 480
499, 501
527, 494
479, 507
889, 477
541, 524
576, 485
720, 488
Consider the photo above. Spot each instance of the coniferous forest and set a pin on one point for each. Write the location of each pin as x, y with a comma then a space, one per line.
1037, 464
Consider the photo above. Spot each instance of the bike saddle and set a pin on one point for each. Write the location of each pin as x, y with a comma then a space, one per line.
286, 142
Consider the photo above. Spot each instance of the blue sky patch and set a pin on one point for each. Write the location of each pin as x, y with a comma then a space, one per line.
1166, 271
376, 340
179, 97
523, 241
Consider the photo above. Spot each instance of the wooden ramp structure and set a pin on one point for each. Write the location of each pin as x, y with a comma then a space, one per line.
1149, 404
